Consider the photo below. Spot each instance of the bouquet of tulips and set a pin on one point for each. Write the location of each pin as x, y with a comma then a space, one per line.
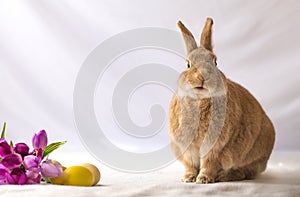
20, 165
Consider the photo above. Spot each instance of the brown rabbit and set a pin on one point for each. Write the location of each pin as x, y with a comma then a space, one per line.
218, 130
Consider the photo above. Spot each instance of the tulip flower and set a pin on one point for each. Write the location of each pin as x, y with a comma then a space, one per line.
5, 148
40, 140
12, 161
17, 176
22, 149
32, 163
33, 177
19, 165
50, 169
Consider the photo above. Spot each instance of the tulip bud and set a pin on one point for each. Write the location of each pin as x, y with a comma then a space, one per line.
40, 140
22, 149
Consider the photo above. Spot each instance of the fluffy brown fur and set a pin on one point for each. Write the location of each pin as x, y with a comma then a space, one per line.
247, 135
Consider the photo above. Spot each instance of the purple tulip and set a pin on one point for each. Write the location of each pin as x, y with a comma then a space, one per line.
12, 161
17, 176
3, 172
22, 149
33, 177
50, 169
40, 140
32, 163
5, 148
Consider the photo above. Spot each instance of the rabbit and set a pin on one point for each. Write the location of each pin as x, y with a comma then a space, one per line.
217, 129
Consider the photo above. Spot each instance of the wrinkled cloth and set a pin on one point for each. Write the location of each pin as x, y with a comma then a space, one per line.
282, 178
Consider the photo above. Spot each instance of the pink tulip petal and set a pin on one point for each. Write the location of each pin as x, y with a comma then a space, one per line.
32, 174
3, 172
10, 179
32, 163
12, 161
22, 179
17, 176
5, 148
22, 149
33, 177
51, 170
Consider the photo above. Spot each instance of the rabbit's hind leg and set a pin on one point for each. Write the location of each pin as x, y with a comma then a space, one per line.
241, 173
255, 168
231, 175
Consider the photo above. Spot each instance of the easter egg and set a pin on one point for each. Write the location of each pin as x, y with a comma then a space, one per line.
78, 176
95, 171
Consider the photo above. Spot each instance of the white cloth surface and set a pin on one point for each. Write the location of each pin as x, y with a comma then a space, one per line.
282, 178
43, 44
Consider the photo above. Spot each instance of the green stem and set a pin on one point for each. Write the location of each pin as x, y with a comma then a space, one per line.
3, 130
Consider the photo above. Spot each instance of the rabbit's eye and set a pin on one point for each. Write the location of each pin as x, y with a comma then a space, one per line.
216, 63
188, 64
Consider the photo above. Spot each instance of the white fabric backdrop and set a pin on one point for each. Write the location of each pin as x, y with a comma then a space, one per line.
43, 44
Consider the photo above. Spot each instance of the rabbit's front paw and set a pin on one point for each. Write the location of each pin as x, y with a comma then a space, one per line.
189, 178
204, 179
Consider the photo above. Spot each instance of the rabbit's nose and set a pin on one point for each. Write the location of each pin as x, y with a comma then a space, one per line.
195, 80
199, 77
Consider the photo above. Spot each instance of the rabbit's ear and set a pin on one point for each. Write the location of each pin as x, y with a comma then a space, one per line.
189, 39
206, 37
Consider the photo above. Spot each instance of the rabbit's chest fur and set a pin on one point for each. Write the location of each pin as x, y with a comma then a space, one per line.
190, 118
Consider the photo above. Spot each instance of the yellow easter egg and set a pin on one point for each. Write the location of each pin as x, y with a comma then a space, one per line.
94, 170
78, 176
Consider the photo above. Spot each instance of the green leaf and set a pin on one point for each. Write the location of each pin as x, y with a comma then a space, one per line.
52, 147
11, 143
3, 130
